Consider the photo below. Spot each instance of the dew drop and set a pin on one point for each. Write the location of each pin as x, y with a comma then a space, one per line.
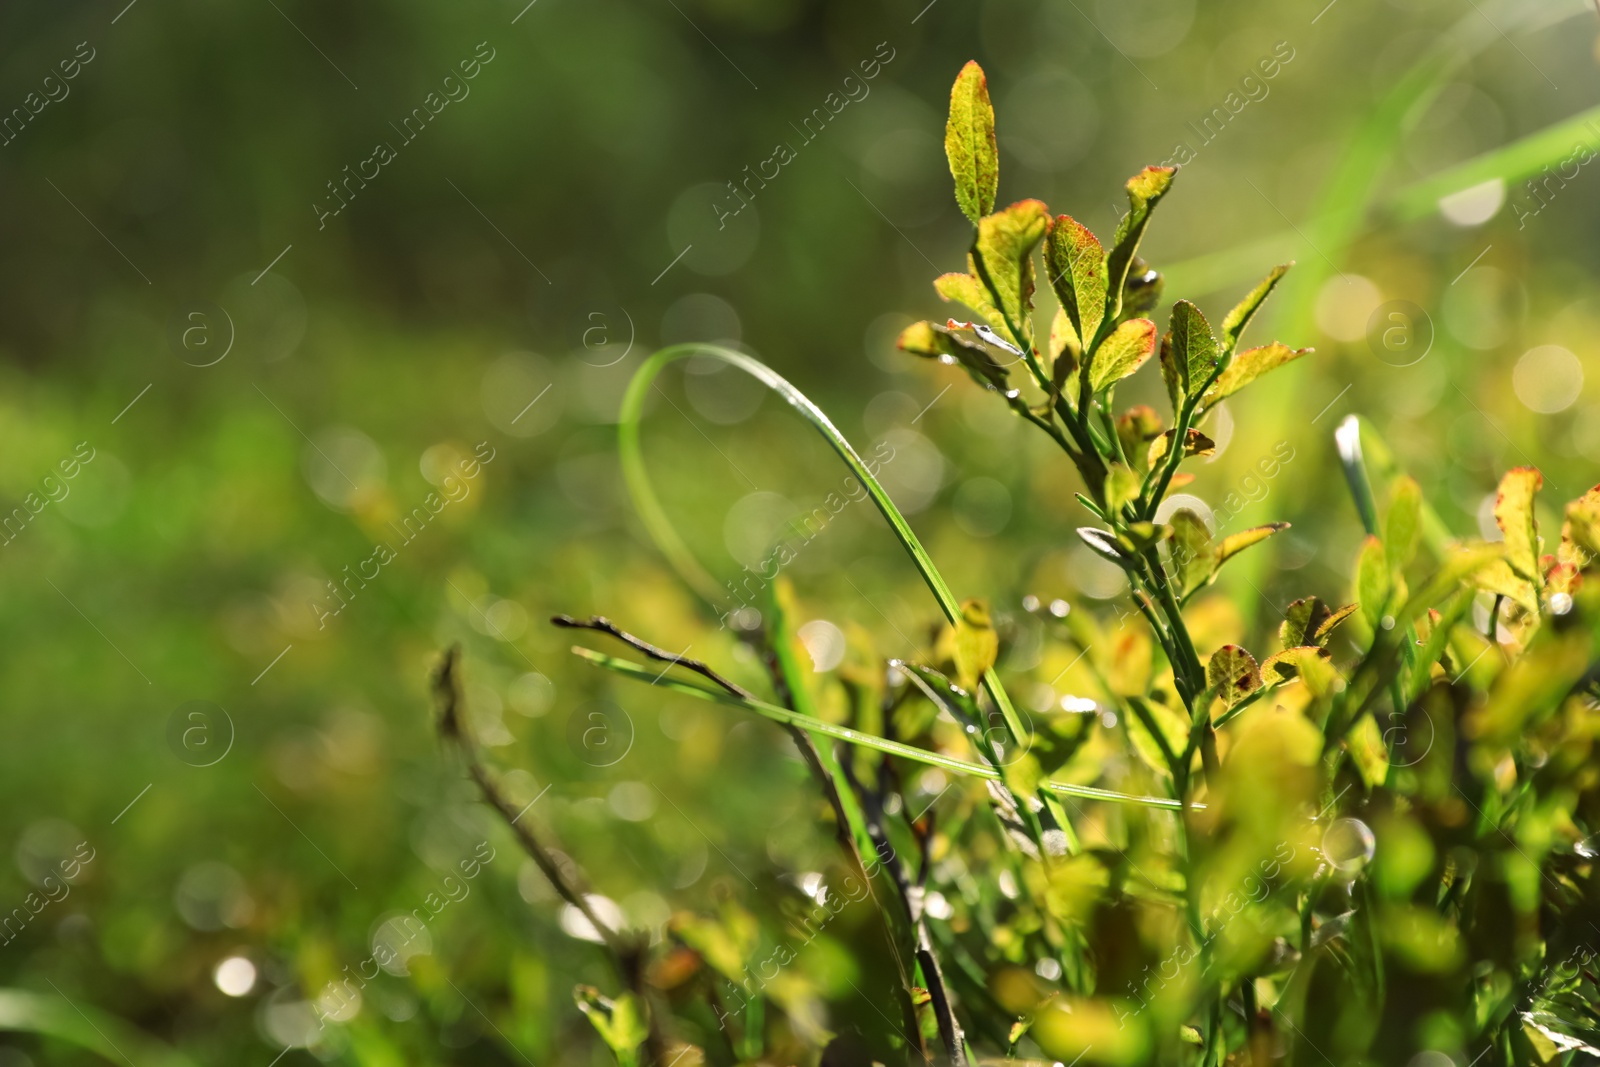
1030, 603
1059, 608
1560, 603
1348, 846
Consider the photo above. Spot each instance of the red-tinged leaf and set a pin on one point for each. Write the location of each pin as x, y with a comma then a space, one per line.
1122, 353
1076, 265
1232, 674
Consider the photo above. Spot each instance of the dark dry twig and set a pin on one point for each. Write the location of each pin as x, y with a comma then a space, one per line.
601, 624
626, 957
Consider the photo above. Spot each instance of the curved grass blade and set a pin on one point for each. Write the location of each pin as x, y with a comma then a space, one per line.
672, 546
103, 1034
633, 670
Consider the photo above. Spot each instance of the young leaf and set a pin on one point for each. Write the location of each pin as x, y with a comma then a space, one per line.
1233, 325
969, 143
1122, 353
1194, 350
1195, 443
1105, 544
1076, 265
1513, 513
1403, 521
1136, 428
1309, 621
1145, 190
1373, 584
1246, 367
1002, 259
1232, 674
1233, 544
620, 1022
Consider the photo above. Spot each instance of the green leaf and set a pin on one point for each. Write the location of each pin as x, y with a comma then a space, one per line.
969, 143
1373, 585
1145, 190
1002, 259
1233, 544
1172, 376
1403, 522
620, 1021
1246, 367
1233, 325
1124, 352
1122, 485
1194, 557
1232, 674
1076, 266
1194, 350
1513, 513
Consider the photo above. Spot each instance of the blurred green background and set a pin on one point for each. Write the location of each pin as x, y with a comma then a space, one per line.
263, 389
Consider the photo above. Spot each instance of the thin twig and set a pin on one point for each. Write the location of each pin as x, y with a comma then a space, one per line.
601, 624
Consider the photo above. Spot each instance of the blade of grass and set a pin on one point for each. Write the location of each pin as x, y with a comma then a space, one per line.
672, 545
105, 1035
633, 670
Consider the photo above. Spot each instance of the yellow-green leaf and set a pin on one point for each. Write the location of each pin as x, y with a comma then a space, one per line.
1373, 584
1234, 323
969, 143
1232, 674
1122, 485
1366, 747
1580, 533
1122, 353
1246, 367
1002, 259
1513, 513
937, 342
1076, 265
972, 644
1286, 666
968, 290
1145, 190
1233, 544
1194, 557
1403, 521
